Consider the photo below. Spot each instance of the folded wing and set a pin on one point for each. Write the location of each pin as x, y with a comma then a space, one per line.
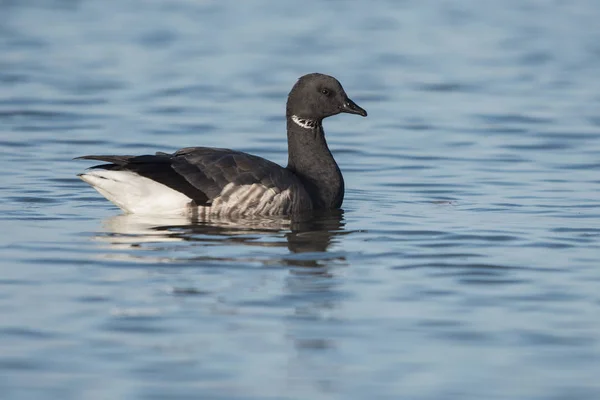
204, 175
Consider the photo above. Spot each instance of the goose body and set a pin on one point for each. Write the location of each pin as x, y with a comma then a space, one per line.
207, 182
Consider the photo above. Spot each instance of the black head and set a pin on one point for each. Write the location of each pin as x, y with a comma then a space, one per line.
317, 96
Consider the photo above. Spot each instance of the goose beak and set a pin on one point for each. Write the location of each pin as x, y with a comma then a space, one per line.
351, 107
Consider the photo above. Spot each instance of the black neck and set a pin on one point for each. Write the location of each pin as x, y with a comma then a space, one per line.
310, 159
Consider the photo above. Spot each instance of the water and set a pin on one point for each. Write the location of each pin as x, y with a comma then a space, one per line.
464, 264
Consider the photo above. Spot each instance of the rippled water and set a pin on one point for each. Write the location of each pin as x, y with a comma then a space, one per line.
463, 266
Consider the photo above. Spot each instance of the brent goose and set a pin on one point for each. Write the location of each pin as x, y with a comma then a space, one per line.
204, 182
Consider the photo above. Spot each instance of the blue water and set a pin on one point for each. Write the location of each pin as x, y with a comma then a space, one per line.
465, 263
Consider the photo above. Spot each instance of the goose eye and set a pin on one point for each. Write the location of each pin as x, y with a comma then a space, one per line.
326, 92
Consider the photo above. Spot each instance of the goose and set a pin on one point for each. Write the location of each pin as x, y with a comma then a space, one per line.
206, 182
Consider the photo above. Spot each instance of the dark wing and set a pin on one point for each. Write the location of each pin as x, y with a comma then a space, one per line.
201, 173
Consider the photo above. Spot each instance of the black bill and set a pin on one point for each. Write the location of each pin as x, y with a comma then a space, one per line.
351, 107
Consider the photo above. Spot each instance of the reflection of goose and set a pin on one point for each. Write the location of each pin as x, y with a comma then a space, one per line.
309, 240
205, 181
143, 238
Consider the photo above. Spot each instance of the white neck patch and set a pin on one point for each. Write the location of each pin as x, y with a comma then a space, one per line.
304, 123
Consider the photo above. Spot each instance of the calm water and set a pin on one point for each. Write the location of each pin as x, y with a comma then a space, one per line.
465, 264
